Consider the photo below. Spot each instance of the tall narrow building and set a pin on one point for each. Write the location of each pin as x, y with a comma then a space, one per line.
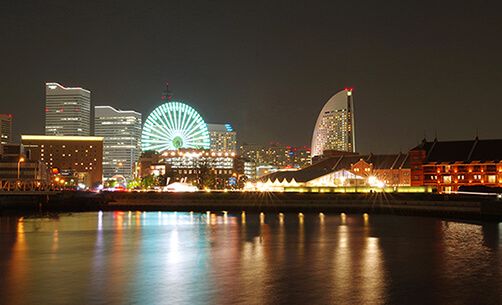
334, 129
222, 137
121, 131
67, 111
5, 128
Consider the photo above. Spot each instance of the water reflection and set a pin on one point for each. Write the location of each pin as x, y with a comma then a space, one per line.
224, 258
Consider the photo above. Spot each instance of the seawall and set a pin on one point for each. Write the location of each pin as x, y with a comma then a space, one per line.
434, 205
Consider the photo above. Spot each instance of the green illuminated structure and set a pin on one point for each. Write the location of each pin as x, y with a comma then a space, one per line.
174, 125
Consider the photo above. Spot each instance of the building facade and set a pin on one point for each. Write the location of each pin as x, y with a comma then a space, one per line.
203, 168
450, 165
19, 172
349, 172
67, 111
5, 128
222, 137
121, 131
334, 128
15, 164
146, 162
74, 158
276, 155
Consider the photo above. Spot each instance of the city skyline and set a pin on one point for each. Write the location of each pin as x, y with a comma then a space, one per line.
406, 77
250, 152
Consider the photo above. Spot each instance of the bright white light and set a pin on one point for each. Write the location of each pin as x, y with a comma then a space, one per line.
180, 187
375, 182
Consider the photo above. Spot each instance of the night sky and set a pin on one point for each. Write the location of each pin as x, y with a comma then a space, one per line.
267, 67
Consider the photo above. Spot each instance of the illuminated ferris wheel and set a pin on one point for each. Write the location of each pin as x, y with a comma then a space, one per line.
174, 125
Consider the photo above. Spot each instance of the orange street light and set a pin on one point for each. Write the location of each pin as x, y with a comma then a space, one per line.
21, 159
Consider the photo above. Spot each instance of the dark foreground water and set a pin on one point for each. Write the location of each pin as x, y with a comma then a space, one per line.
183, 258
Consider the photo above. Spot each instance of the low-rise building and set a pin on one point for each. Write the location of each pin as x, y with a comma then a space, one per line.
203, 168
76, 158
145, 163
19, 172
449, 165
345, 171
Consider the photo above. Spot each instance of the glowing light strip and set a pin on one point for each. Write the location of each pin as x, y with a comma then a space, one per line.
60, 138
117, 110
50, 85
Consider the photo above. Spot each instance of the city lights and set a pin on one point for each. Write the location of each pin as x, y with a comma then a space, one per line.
174, 125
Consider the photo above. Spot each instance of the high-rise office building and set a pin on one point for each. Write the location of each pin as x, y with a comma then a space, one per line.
334, 129
5, 128
222, 137
67, 111
121, 131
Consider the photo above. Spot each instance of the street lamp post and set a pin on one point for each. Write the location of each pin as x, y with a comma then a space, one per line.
19, 167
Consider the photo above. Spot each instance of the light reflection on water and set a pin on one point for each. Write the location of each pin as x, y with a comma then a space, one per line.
246, 258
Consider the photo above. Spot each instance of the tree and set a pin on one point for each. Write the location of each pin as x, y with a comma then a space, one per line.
134, 183
110, 183
148, 182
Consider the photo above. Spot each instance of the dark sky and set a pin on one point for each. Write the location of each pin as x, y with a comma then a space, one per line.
266, 66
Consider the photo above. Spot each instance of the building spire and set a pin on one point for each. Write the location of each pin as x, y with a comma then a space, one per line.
167, 94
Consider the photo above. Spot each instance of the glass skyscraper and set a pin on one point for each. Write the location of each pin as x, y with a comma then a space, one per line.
334, 129
67, 111
121, 131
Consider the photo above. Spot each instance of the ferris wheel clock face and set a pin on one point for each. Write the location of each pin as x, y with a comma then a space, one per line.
172, 126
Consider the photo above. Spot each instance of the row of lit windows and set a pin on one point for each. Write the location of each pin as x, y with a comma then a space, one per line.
463, 168
456, 179
366, 169
215, 171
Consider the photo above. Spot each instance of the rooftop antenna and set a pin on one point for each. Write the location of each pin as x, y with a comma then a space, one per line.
167, 94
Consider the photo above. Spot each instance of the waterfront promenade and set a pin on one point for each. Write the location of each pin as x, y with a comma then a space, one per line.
437, 205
